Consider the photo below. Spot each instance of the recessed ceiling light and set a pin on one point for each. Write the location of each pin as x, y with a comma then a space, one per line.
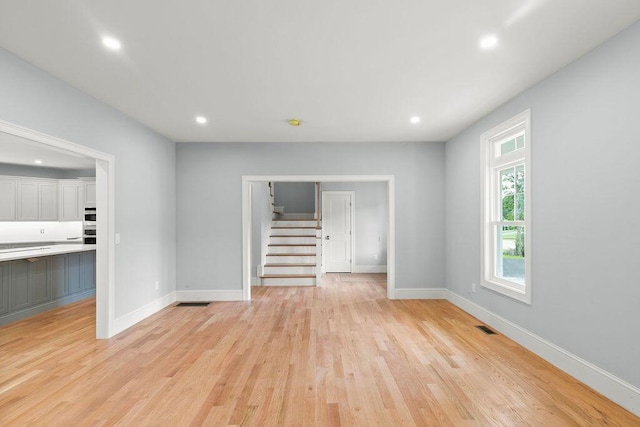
111, 43
37, 162
489, 42
415, 120
201, 120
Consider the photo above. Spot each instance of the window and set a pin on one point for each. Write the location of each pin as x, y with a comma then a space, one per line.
506, 208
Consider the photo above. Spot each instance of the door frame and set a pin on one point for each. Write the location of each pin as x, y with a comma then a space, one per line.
246, 220
353, 225
105, 202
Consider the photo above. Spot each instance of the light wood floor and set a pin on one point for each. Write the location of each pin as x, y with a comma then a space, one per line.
339, 354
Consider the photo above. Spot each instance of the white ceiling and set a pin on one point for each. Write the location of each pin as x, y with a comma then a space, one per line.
22, 151
350, 70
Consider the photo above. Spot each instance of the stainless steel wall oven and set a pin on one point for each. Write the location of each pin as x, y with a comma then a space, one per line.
89, 225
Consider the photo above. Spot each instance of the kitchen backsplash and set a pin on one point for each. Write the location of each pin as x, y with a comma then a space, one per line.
41, 231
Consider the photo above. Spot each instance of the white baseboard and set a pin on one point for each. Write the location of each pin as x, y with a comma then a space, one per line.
612, 387
420, 293
208, 295
130, 319
369, 269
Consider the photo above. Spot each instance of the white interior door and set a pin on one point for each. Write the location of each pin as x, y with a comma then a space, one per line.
337, 227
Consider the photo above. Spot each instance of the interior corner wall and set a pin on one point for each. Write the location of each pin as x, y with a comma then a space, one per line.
210, 202
295, 197
585, 180
145, 184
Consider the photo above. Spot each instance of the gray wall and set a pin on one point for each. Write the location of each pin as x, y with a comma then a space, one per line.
144, 180
585, 240
44, 172
296, 197
210, 208
371, 220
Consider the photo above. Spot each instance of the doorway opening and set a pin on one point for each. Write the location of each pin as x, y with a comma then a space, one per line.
105, 248
247, 182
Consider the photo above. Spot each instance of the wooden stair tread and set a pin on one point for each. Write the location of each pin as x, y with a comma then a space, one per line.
288, 276
277, 227
313, 254
296, 219
291, 265
292, 244
293, 235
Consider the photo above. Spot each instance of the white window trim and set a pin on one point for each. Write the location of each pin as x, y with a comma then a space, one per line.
511, 289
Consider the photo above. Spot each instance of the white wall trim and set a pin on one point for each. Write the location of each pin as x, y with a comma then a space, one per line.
105, 194
421, 293
369, 269
246, 219
209, 295
139, 314
612, 387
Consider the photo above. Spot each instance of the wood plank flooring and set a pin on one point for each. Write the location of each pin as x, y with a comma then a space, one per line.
338, 354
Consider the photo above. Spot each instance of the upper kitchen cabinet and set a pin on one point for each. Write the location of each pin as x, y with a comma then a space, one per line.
71, 200
48, 201
44, 199
37, 200
28, 200
8, 198
90, 192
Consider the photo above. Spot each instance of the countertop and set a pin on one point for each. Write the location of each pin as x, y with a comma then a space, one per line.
42, 251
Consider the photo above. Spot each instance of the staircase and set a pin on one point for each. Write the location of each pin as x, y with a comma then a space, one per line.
292, 253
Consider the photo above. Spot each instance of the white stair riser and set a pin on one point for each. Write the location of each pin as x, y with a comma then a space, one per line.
292, 250
292, 240
280, 223
294, 231
291, 259
289, 270
289, 282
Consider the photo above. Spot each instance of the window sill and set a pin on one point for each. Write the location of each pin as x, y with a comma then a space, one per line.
509, 289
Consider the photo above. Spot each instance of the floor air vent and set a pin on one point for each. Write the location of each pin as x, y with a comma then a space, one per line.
193, 304
486, 329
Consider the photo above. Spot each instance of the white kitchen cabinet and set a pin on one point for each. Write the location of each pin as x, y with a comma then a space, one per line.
8, 197
43, 199
28, 200
47, 201
37, 200
71, 200
90, 192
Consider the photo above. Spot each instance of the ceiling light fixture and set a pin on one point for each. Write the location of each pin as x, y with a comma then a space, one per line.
295, 122
201, 120
37, 162
415, 120
488, 42
111, 43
